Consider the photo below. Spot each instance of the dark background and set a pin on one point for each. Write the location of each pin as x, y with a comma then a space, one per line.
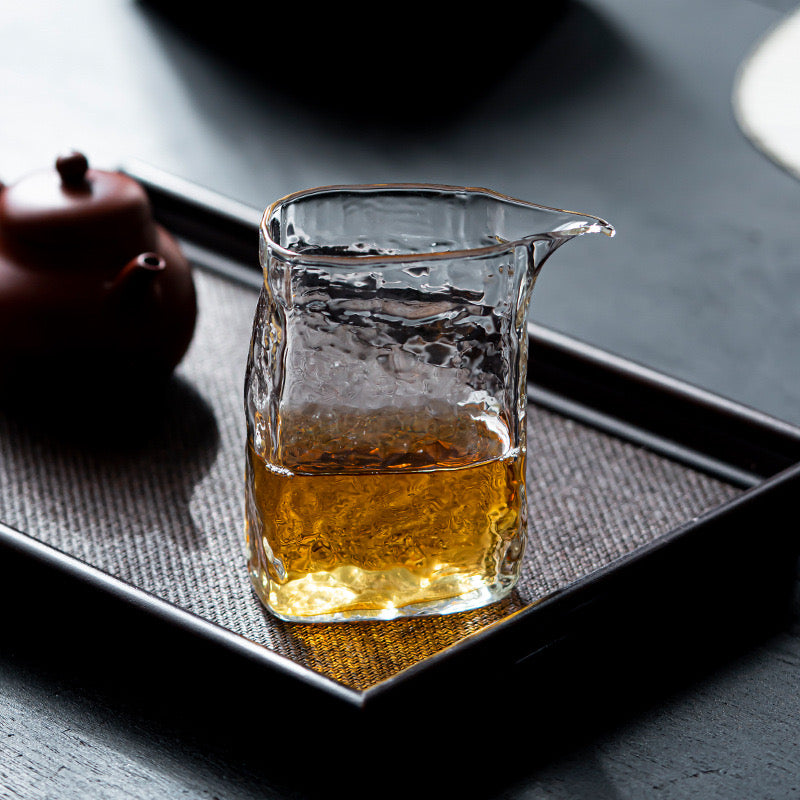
613, 107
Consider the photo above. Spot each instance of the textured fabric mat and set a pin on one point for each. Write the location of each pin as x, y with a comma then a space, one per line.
164, 511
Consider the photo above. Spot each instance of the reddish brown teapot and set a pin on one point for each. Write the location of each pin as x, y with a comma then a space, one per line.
94, 295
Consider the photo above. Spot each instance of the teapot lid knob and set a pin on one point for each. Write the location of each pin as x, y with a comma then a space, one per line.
72, 168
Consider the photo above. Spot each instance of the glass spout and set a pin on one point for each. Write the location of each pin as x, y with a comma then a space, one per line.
542, 229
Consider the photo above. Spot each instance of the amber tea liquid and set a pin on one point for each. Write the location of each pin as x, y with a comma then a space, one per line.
428, 515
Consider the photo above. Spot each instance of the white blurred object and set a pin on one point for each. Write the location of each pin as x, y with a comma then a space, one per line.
766, 95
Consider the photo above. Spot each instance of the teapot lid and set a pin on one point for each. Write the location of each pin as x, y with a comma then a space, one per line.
73, 202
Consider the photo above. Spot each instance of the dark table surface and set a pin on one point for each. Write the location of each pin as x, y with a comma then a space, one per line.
613, 107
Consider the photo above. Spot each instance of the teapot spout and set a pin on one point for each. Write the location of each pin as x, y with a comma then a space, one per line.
135, 280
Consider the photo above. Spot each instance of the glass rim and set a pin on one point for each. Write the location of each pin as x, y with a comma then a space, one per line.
592, 224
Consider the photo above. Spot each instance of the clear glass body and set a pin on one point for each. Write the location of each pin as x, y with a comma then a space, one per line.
385, 398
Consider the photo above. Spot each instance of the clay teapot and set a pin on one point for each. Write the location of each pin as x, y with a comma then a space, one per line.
95, 296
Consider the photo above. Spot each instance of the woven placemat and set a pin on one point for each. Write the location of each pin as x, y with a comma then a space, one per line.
163, 511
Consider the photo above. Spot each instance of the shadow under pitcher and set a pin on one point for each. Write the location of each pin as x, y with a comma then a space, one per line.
385, 398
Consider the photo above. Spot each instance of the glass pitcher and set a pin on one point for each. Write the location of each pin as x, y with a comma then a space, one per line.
385, 398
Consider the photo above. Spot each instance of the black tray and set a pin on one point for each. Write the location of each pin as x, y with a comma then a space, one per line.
680, 504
